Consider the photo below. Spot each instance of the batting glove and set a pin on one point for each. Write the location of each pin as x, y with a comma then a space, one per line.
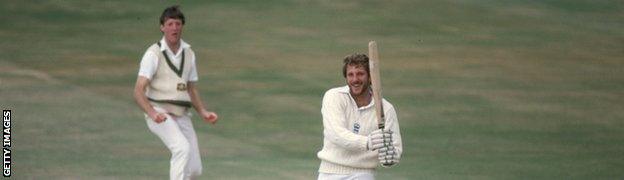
375, 140
386, 149
387, 138
388, 156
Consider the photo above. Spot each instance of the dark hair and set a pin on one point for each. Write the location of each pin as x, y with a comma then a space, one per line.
172, 12
355, 60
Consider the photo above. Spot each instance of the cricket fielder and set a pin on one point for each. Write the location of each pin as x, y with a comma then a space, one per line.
166, 89
352, 144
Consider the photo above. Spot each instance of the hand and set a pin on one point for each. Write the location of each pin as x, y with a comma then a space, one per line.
388, 156
158, 117
375, 140
387, 150
209, 117
387, 138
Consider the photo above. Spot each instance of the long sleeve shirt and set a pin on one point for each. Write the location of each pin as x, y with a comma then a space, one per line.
346, 128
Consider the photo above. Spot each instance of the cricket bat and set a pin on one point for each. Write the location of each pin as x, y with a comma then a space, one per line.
376, 87
376, 83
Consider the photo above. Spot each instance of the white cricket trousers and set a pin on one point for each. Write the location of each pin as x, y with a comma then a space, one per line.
179, 136
353, 176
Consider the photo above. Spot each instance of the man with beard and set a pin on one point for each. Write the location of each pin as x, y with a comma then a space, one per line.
352, 144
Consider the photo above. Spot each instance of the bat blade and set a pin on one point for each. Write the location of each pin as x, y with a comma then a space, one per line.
375, 76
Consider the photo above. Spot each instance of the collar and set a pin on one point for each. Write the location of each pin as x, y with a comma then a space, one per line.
345, 90
164, 45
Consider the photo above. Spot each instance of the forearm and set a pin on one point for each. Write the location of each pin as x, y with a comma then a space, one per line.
140, 98
196, 101
335, 124
393, 125
343, 138
396, 141
335, 131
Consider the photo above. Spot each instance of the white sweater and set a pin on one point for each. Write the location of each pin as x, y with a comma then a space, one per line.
344, 143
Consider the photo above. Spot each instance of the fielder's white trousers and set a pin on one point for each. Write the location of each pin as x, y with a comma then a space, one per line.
179, 136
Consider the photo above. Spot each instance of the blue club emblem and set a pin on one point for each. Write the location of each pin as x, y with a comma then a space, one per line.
356, 128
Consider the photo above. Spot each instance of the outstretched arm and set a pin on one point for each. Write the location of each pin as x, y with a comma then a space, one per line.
208, 116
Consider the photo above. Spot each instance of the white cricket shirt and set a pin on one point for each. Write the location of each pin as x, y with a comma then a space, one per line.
346, 129
149, 62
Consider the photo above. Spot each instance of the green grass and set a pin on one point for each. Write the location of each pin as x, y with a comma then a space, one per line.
484, 89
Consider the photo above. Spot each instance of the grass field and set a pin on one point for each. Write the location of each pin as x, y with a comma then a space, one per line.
484, 89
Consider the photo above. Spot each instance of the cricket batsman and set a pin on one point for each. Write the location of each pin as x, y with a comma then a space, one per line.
166, 89
353, 146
